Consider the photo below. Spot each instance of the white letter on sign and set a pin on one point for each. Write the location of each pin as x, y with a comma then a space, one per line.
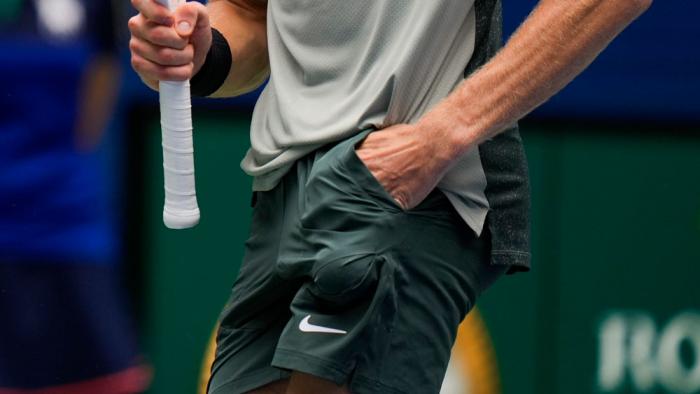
626, 345
673, 375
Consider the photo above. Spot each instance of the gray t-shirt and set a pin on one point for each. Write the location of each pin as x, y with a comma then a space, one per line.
339, 67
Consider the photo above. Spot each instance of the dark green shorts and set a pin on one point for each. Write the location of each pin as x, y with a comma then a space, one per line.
339, 282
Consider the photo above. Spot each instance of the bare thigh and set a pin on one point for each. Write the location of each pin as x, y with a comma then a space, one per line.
278, 387
302, 383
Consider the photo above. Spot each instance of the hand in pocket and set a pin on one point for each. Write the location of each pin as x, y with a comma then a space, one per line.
406, 161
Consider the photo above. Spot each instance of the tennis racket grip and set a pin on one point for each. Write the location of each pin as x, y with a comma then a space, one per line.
180, 210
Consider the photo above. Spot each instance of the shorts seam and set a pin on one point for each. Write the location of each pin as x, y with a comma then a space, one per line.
229, 330
352, 380
340, 374
263, 374
373, 384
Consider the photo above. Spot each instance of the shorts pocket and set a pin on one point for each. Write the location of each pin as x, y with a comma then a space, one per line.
335, 197
363, 177
435, 204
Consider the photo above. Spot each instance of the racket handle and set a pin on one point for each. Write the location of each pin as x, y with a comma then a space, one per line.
180, 209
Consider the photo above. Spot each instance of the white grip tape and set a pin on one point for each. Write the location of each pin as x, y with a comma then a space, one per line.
171, 4
180, 210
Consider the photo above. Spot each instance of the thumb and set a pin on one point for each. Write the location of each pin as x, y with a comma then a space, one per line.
191, 16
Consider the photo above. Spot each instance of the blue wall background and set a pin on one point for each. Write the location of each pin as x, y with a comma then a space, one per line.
650, 72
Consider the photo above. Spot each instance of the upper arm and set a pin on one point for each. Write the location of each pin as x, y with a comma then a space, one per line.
244, 13
250, 3
244, 24
250, 7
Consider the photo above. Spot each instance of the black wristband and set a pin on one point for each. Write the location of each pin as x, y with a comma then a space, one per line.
215, 69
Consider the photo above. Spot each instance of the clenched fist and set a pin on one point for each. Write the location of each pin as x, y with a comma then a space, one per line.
168, 46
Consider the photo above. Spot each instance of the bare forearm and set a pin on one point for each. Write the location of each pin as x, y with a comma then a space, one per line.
557, 41
243, 23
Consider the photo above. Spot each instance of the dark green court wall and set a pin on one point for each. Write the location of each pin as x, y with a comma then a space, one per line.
616, 230
190, 272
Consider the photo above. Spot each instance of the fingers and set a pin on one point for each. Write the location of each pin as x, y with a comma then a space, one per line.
154, 12
163, 44
192, 21
156, 34
158, 52
149, 70
163, 56
190, 17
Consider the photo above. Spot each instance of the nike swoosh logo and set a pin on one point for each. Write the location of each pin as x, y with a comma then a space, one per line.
305, 326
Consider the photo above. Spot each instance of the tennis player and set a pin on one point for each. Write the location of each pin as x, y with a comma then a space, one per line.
390, 184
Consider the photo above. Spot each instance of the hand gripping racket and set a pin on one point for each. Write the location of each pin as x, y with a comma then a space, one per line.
180, 209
